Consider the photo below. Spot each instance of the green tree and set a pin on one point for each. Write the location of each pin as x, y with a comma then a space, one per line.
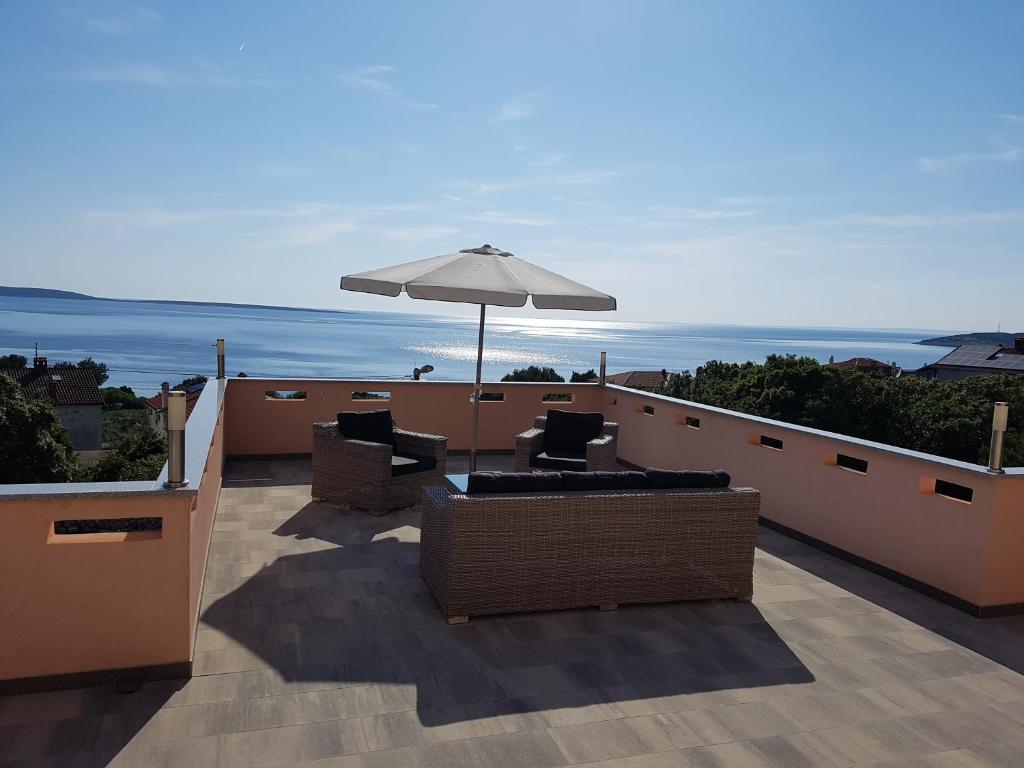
13, 361
98, 369
582, 378
190, 381
138, 454
944, 418
121, 398
534, 373
35, 447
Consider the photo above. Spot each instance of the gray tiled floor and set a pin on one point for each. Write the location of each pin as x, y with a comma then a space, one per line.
319, 646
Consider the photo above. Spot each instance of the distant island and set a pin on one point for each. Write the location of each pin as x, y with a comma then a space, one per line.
53, 293
980, 337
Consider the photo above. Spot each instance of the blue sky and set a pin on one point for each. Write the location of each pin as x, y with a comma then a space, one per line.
843, 164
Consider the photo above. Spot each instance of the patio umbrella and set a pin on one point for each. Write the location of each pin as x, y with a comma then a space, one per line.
481, 276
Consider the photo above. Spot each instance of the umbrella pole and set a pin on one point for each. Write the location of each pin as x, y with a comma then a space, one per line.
476, 390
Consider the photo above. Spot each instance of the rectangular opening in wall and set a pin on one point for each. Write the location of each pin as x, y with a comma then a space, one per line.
371, 395
692, 422
771, 442
852, 463
557, 397
114, 525
285, 394
649, 410
954, 491
490, 397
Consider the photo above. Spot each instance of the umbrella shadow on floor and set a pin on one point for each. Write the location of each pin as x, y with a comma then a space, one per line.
355, 611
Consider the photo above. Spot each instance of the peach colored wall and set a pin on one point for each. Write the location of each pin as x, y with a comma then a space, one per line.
971, 550
94, 601
257, 425
201, 523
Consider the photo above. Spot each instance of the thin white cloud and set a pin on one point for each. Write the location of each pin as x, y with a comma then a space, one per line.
202, 74
753, 200
671, 216
1007, 153
520, 108
278, 170
373, 79
548, 180
160, 218
124, 19
548, 160
924, 220
313, 233
505, 217
1013, 118
412, 234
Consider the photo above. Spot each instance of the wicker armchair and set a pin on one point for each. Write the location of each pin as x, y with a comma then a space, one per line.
362, 474
600, 456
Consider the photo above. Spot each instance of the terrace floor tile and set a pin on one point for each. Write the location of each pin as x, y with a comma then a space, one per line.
319, 645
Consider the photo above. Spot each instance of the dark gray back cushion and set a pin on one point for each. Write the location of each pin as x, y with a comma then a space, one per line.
371, 426
514, 482
603, 481
570, 431
688, 478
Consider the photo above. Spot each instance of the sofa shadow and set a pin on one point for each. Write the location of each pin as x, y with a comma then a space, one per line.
998, 639
359, 613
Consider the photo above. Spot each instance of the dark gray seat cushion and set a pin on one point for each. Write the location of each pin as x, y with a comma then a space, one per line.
560, 460
407, 465
603, 481
513, 482
688, 478
371, 426
569, 432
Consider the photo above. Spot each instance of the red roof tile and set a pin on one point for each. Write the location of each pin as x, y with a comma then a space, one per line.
61, 386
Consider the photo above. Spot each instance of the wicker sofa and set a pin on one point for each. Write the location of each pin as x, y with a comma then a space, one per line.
375, 475
510, 552
597, 450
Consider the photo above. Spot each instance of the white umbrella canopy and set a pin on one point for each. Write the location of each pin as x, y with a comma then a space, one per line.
481, 276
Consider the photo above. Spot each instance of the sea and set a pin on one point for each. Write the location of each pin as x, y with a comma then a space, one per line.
145, 343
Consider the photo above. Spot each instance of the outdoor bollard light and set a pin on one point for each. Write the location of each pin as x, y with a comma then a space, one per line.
220, 358
176, 440
604, 367
1000, 415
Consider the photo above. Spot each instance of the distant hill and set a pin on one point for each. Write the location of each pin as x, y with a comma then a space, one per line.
52, 293
982, 337
41, 293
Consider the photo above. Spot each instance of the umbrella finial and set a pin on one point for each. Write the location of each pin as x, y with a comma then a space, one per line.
486, 250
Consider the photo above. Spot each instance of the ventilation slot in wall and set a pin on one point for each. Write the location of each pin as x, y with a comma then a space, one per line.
285, 394
852, 463
557, 397
692, 422
371, 395
115, 525
770, 442
490, 397
954, 491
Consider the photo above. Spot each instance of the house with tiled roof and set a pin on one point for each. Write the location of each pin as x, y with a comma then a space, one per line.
969, 360
638, 379
156, 412
866, 365
74, 395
